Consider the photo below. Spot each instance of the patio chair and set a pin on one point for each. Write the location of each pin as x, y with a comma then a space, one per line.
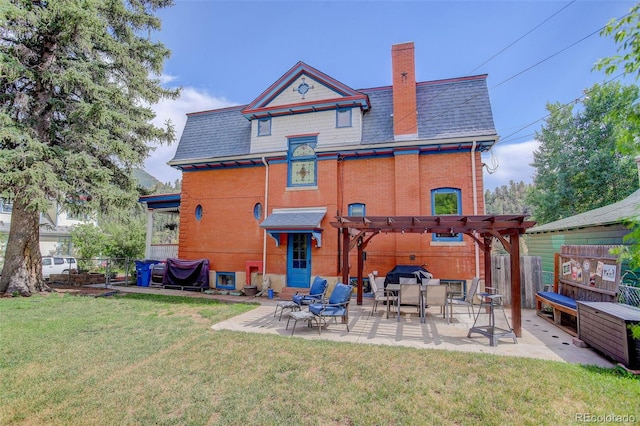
379, 294
466, 300
317, 293
409, 294
436, 295
336, 306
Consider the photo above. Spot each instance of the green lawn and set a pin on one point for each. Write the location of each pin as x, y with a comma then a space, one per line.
141, 359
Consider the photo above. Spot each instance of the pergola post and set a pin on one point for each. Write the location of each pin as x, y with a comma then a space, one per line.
360, 268
345, 255
516, 304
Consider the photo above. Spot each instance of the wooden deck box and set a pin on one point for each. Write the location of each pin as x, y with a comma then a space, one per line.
605, 327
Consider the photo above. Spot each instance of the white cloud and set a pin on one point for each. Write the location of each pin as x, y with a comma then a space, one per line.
513, 164
190, 100
166, 78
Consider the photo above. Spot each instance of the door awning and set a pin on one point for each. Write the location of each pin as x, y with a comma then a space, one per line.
295, 220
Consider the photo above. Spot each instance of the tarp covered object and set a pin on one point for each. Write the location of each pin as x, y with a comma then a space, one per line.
406, 271
186, 273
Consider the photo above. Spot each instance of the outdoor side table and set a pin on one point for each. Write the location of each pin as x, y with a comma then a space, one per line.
491, 302
286, 304
304, 316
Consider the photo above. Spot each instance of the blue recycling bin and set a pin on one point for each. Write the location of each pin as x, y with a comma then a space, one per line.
143, 271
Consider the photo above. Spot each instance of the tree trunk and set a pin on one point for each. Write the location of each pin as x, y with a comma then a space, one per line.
22, 272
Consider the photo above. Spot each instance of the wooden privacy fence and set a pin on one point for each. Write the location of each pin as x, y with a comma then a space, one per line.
530, 278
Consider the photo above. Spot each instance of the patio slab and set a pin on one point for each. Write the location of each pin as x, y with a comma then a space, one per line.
540, 339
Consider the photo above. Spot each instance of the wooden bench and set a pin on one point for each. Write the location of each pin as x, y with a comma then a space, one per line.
581, 273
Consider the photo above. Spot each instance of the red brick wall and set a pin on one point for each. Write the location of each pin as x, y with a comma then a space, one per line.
229, 235
402, 186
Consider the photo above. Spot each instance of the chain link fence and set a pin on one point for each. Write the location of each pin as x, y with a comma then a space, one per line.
96, 271
629, 289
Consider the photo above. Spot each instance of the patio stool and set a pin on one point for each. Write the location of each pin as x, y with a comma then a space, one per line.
302, 315
286, 304
491, 303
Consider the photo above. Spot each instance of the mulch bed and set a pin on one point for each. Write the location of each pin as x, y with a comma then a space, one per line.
80, 290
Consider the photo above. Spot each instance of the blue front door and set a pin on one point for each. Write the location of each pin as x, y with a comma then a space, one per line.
299, 260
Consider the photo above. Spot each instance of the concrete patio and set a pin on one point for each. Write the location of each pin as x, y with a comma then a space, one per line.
540, 339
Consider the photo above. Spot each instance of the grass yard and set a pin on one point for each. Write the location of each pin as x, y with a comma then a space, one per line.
141, 359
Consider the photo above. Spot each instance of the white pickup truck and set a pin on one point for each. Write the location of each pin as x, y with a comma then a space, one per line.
58, 265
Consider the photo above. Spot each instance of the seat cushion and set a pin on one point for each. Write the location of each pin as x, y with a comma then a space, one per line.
330, 311
559, 299
318, 287
304, 299
341, 293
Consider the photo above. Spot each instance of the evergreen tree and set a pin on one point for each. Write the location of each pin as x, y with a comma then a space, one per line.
76, 82
508, 199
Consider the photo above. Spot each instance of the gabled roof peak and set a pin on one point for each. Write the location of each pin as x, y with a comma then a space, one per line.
259, 105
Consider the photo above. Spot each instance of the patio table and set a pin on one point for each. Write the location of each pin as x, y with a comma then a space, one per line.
394, 289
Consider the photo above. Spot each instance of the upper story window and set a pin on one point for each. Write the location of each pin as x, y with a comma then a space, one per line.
264, 126
75, 214
5, 206
302, 162
446, 201
343, 117
357, 209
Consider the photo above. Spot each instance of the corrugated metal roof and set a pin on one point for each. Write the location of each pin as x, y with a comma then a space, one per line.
607, 215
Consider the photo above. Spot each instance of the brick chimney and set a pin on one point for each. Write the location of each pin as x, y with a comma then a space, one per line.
405, 115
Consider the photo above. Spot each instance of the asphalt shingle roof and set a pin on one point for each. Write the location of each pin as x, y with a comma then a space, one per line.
611, 214
217, 133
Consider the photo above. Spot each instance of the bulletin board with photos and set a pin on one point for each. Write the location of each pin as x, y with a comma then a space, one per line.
590, 273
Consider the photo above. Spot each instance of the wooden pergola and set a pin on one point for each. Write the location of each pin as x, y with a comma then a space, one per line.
357, 232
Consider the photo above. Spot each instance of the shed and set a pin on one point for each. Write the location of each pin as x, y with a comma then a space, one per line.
602, 226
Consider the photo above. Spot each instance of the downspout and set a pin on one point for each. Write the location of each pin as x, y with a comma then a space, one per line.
264, 231
474, 185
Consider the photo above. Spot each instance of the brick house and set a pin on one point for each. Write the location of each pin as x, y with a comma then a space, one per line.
262, 182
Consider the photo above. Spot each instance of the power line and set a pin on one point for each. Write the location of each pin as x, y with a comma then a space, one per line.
518, 74
523, 36
567, 104
548, 57
497, 54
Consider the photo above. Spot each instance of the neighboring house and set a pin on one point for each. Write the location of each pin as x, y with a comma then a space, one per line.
601, 226
55, 228
262, 182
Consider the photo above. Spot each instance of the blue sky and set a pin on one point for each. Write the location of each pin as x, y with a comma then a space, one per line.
534, 52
